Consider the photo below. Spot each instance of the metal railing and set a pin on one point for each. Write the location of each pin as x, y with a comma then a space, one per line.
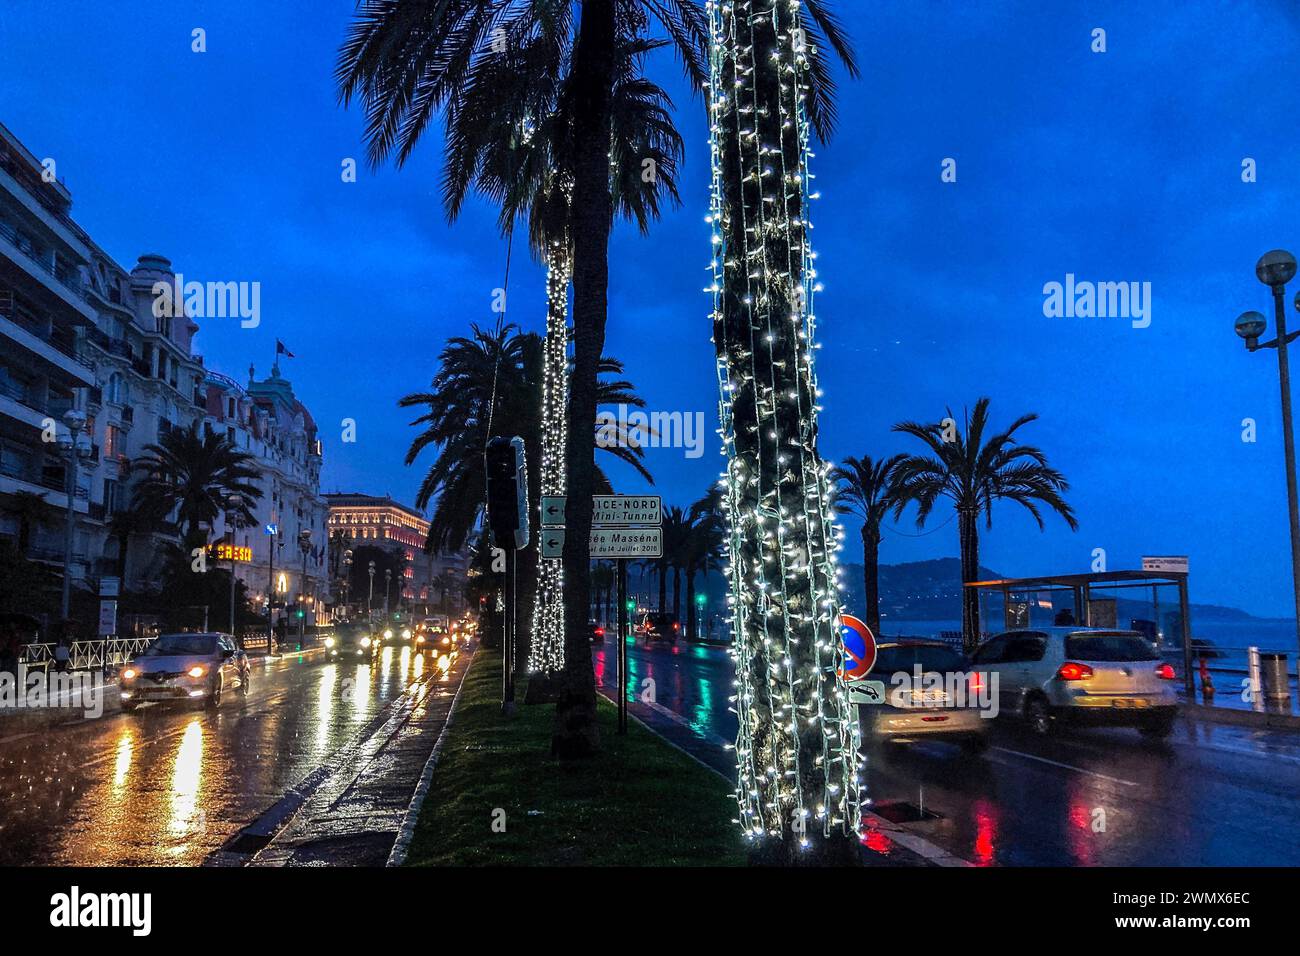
99, 652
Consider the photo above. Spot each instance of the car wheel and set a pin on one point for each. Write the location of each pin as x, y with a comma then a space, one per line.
214, 699
1158, 729
1038, 716
129, 706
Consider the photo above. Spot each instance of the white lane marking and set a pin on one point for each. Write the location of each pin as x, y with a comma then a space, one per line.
1066, 766
678, 718
1240, 751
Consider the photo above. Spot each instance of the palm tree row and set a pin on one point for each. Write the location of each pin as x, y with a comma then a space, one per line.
694, 543
969, 470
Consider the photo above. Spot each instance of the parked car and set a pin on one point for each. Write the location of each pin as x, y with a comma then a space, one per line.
183, 667
659, 626
1054, 675
353, 640
948, 713
595, 633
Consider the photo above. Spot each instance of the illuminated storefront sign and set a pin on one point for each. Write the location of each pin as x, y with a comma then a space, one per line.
224, 551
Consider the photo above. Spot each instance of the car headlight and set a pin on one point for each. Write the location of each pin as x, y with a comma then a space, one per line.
365, 642
197, 671
406, 633
420, 639
388, 634
446, 640
128, 674
329, 642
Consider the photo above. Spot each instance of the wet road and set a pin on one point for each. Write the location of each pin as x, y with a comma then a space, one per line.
1211, 795
169, 784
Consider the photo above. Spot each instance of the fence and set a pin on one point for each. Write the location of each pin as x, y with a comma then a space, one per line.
113, 652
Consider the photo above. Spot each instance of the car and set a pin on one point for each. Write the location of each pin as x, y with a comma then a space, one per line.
659, 626
595, 633
185, 666
439, 642
351, 641
948, 712
1083, 675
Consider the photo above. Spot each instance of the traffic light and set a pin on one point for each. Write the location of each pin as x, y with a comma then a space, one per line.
507, 492
701, 599
631, 605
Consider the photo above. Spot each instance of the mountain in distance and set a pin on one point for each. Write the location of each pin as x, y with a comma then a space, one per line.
931, 591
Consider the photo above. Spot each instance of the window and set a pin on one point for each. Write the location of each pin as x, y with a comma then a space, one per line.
1024, 647
1109, 647
991, 651
113, 447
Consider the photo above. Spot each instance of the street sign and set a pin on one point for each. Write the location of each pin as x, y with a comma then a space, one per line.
109, 587
859, 648
272, 529
627, 542
622, 511
553, 510
1177, 563
553, 542
107, 618
866, 692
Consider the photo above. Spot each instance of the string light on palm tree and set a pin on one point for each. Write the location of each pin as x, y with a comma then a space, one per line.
798, 738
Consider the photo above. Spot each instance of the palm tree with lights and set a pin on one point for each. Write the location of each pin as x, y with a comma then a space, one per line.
797, 741
972, 469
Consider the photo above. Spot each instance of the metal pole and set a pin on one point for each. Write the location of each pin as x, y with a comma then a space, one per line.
72, 519
302, 602
623, 619
1188, 682
232, 592
270, 596
1288, 442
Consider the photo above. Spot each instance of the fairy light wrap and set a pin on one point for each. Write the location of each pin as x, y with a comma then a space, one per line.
546, 650
797, 747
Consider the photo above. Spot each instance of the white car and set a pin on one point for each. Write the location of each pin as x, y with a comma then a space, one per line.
1091, 676
185, 667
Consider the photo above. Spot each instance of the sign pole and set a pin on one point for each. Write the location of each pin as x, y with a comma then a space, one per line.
624, 618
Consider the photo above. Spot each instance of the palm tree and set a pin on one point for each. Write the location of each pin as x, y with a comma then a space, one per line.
195, 476
674, 544
796, 747
866, 489
408, 60
32, 510
972, 473
706, 541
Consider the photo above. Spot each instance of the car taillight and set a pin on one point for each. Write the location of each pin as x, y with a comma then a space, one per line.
600, 632
1166, 672
1072, 671
677, 626
975, 682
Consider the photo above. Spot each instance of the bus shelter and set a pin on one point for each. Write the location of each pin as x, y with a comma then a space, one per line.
1094, 600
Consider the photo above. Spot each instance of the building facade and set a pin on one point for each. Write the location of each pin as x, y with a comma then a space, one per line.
78, 332
433, 581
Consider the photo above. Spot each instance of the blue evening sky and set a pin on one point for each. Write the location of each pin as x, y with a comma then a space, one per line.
1122, 166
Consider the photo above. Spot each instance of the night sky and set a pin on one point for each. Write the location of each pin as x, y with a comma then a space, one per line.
1123, 166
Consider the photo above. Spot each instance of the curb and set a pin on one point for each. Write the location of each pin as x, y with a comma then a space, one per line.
1239, 718
406, 833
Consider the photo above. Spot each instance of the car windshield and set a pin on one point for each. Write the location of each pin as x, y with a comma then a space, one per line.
932, 658
1109, 647
169, 645
350, 633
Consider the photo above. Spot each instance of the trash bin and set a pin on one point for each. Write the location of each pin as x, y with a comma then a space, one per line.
1276, 680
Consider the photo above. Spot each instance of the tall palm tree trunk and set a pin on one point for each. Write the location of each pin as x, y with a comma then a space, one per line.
546, 652
968, 531
690, 604
871, 577
575, 734
662, 569
797, 740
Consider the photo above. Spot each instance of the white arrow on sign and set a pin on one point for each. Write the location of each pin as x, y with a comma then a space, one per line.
553, 510
553, 543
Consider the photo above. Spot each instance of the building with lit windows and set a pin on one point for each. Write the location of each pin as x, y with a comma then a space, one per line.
383, 522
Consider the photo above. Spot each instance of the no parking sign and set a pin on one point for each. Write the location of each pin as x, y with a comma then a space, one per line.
859, 648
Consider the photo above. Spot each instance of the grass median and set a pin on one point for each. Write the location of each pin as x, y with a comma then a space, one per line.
640, 802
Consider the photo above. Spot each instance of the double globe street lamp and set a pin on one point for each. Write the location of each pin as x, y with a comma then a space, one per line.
1275, 269
75, 447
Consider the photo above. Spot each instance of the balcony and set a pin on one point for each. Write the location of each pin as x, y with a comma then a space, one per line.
57, 351
61, 282
128, 414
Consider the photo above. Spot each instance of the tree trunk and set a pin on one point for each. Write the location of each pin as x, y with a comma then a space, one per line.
663, 586
690, 605
968, 527
575, 733
677, 593
797, 741
546, 650
871, 577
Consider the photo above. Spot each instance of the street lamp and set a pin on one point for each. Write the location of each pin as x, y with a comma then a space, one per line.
304, 543
370, 598
234, 521
75, 447
388, 586
1275, 269
347, 579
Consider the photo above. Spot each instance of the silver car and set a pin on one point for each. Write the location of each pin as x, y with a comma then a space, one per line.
942, 706
1090, 676
185, 667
